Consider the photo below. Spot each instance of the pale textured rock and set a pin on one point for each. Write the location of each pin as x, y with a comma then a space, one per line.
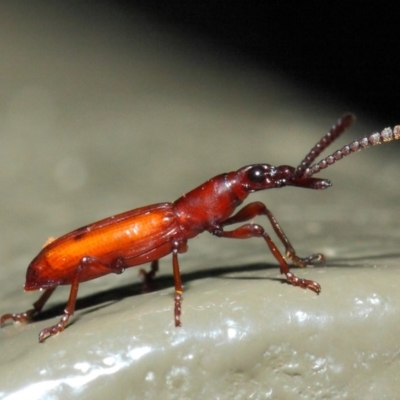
128, 128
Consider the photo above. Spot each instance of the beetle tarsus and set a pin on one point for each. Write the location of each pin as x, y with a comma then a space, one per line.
53, 330
303, 283
27, 316
178, 309
18, 317
310, 260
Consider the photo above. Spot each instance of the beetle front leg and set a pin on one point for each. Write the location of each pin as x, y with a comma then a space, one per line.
255, 230
257, 208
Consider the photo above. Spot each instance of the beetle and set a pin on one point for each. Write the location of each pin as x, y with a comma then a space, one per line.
149, 233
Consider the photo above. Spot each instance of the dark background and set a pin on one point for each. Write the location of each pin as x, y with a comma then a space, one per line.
345, 51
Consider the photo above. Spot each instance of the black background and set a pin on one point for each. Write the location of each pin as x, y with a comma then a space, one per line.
347, 51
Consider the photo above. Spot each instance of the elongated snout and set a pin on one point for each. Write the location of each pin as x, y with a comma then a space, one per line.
286, 175
310, 183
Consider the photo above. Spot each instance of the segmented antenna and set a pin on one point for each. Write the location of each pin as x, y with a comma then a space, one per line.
387, 135
341, 125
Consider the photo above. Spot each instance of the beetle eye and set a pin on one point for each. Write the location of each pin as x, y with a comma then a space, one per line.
257, 174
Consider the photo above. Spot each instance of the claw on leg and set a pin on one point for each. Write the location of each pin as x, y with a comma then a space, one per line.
310, 260
19, 317
28, 315
178, 309
53, 330
303, 283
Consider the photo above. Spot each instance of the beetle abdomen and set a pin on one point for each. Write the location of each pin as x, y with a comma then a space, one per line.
126, 237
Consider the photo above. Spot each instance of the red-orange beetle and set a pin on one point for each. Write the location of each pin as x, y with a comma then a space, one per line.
148, 233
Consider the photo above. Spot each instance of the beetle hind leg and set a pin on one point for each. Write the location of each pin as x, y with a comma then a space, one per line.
86, 262
69, 309
28, 315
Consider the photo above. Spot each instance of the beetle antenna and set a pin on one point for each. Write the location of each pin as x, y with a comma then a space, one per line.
341, 125
387, 135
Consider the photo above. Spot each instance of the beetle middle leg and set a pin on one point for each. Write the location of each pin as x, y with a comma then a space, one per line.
257, 208
148, 277
178, 288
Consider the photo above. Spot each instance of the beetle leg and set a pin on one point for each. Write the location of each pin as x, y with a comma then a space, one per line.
177, 247
148, 277
117, 267
69, 309
257, 208
178, 288
27, 315
255, 230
